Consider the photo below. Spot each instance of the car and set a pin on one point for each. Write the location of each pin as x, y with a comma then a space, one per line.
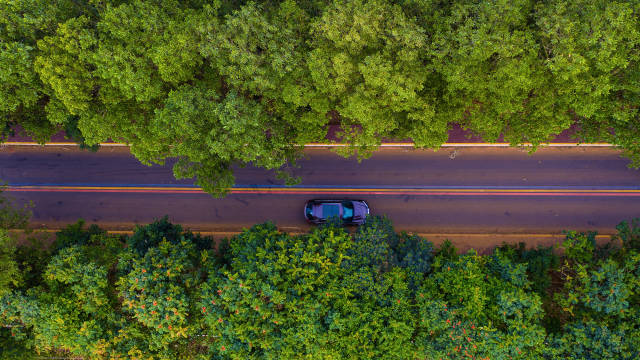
351, 212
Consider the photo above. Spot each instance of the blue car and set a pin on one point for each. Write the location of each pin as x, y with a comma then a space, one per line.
351, 212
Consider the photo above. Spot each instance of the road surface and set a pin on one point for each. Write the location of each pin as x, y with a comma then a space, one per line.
452, 191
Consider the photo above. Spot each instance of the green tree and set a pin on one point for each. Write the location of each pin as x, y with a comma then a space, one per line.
119, 78
10, 274
373, 315
496, 83
160, 273
540, 263
599, 298
11, 217
480, 306
416, 255
217, 132
151, 235
580, 247
23, 96
67, 305
76, 307
16, 340
260, 50
234, 83
590, 340
373, 245
592, 48
273, 298
629, 234
368, 61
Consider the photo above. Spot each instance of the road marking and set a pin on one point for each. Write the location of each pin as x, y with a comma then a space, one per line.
474, 145
311, 145
31, 143
421, 191
601, 235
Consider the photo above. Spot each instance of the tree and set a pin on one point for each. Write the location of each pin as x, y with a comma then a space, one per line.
10, 275
540, 262
373, 315
11, 217
326, 293
76, 307
629, 234
260, 50
273, 298
160, 273
115, 86
478, 306
16, 341
592, 50
234, 83
23, 96
374, 245
599, 300
416, 255
368, 61
20, 90
65, 305
590, 340
579, 247
496, 83
151, 235
212, 132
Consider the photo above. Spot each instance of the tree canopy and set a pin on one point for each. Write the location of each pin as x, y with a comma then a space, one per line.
166, 293
220, 83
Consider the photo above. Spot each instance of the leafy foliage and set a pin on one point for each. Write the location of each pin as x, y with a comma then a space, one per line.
150, 236
275, 294
540, 263
591, 48
77, 235
327, 293
368, 60
23, 96
579, 247
11, 217
629, 234
599, 298
10, 274
157, 291
374, 244
590, 340
244, 82
487, 54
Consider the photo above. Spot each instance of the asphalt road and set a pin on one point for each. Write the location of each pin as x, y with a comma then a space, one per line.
464, 190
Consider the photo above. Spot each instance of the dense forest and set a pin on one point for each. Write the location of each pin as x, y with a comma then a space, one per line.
373, 293
223, 82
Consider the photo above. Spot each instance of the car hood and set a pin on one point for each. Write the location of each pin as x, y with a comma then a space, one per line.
360, 211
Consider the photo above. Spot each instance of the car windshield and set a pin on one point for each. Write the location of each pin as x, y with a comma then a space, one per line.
347, 209
348, 213
329, 210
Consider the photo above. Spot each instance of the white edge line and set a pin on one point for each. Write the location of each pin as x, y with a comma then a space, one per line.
311, 145
475, 145
30, 143
601, 234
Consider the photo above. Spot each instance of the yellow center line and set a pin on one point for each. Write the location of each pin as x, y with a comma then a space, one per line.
328, 190
323, 145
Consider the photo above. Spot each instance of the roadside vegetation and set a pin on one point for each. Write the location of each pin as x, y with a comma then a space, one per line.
166, 293
216, 83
